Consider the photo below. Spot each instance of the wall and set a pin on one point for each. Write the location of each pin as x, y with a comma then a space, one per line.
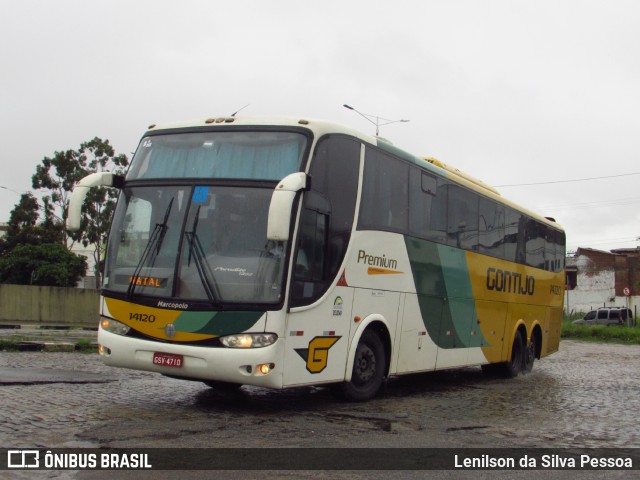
24, 304
601, 279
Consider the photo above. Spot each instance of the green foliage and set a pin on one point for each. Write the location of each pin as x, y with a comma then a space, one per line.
602, 333
45, 264
60, 173
24, 229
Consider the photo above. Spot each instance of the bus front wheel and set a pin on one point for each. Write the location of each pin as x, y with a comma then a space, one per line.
368, 369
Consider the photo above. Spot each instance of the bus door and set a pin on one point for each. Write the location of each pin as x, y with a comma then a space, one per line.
320, 303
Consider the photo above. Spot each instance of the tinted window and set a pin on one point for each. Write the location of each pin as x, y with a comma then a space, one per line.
462, 218
491, 228
327, 217
514, 247
267, 155
422, 189
385, 198
445, 212
437, 230
535, 237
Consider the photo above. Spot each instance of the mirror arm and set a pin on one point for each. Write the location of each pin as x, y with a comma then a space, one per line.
106, 179
279, 221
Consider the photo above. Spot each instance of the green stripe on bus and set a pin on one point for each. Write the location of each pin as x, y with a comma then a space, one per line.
445, 296
216, 323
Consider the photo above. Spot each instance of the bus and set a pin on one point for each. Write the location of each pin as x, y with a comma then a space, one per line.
285, 252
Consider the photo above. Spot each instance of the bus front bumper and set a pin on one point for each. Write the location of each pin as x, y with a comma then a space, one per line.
247, 366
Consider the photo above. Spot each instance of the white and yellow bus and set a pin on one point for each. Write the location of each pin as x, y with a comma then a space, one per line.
287, 252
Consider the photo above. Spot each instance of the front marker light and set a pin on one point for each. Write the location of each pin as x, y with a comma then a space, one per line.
249, 340
113, 326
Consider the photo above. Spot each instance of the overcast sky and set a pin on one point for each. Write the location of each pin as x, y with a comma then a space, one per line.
512, 92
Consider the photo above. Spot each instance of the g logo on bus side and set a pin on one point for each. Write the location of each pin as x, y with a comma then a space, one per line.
317, 355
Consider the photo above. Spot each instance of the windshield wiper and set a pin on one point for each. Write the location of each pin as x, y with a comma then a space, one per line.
202, 266
153, 244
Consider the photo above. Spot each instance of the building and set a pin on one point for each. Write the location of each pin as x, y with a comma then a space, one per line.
596, 278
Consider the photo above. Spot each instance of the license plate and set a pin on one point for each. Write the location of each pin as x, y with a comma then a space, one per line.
168, 359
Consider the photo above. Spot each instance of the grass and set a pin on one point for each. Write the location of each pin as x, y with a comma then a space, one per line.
86, 346
601, 333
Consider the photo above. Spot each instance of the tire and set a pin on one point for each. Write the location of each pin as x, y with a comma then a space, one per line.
514, 366
529, 355
223, 386
368, 369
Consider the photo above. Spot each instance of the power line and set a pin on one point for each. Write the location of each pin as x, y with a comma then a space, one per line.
567, 181
620, 202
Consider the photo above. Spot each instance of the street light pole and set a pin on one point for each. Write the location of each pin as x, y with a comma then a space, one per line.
377, 123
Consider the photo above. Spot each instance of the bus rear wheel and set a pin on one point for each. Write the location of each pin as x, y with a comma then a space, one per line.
514, 366
368, 369
529, 355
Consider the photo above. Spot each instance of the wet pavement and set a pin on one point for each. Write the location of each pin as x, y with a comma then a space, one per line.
586, 395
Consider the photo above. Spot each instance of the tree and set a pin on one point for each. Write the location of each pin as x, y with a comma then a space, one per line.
60, 173
46, 264
23, 227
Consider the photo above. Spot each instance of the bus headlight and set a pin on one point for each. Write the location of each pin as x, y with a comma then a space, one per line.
113, 326
249, 340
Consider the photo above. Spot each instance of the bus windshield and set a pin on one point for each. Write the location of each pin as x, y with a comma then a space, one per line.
255, 155
185, 228
198, 243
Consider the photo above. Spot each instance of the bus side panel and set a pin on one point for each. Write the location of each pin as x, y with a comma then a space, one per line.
508, 294
551, 332
492, 317
318, 339
416, 351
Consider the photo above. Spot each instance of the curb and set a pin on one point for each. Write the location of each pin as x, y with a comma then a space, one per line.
47, 338
35, 346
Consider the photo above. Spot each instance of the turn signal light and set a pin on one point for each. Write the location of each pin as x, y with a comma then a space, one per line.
266, 368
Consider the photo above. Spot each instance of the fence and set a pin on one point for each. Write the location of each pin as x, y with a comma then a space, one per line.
24, 304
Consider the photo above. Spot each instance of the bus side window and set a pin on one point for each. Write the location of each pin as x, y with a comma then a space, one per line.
326, 218
385, 195
438, 214
514, 238
462, 222
535, 243
491, 228
422, 189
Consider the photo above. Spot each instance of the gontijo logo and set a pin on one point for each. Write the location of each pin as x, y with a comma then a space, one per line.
317, 355
510, 282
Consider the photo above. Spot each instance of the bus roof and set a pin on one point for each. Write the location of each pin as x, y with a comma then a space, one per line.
322, 127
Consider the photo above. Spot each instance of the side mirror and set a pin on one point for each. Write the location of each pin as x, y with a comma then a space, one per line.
279, 221
106, 179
